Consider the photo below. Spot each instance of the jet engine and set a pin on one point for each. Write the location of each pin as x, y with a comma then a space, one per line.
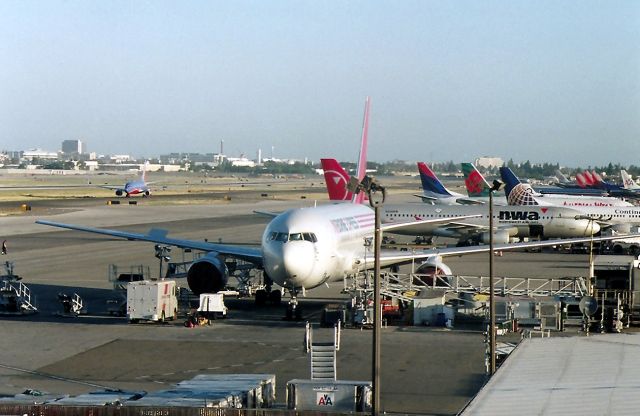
208, 274
499, 237
147, 193
118, 192
622, 228
431, 268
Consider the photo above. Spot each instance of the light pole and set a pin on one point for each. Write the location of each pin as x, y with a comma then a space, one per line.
492, 306
162, 253
374, 190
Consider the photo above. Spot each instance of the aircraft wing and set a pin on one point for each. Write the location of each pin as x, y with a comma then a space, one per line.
112, 187
469, 201
391, 257
394, 225
155, 235
426, 198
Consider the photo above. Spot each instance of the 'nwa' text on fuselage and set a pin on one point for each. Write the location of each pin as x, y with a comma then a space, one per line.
519, 216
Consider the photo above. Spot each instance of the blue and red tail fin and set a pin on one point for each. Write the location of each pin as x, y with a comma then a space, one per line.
336, 179
361, 169
430, 182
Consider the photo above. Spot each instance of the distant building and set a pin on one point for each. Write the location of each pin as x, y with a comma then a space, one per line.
489, 162
73, 147
39, 154
241, 161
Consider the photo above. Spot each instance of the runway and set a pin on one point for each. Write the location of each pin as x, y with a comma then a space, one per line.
424, 370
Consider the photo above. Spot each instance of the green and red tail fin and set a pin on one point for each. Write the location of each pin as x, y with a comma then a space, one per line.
475, 183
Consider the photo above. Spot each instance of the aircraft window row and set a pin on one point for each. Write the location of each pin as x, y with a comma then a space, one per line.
284, 237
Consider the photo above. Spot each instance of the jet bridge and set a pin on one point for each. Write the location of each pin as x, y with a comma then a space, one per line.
405, 287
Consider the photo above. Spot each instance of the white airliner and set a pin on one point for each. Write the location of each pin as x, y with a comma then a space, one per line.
304, 248
509, 222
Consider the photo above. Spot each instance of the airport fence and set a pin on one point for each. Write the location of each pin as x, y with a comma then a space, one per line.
56, 410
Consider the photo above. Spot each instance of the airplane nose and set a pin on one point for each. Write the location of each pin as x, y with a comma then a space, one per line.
298, 259
289, 263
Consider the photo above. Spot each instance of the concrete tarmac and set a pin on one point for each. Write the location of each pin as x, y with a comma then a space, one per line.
424, 370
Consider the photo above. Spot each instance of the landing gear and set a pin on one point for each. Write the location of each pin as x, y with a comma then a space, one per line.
294, 311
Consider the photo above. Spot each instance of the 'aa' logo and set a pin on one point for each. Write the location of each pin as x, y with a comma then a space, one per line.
325, 399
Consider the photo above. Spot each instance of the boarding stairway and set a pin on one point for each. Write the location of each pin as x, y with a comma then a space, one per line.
323, 354
18, 296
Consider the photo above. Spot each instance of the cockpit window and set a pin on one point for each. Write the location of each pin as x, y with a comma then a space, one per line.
309, 237
284, 237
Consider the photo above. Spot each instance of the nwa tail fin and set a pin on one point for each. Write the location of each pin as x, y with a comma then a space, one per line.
430, 182
627, 180
518, 193
336, 179
475, 183
509, 178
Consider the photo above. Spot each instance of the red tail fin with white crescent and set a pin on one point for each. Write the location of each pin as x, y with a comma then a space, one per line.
336, 179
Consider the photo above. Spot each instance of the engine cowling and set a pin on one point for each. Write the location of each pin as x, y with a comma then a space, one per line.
432, 268
208, 274
147, 193
621, 228
499, 237
119, 192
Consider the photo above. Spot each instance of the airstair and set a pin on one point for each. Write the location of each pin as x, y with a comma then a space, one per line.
16, 299
72, 305
323, 354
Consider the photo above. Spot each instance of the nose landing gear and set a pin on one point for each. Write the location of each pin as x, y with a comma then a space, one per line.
294, 311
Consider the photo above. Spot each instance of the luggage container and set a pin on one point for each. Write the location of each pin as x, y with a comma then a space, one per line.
212, 306
333, 396
152, 300
258, 390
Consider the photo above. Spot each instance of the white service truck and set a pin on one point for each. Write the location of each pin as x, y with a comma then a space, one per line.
152, 300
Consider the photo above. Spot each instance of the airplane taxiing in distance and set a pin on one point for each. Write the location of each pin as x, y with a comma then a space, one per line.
135, 187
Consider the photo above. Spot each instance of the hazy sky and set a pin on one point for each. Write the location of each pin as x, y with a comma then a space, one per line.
555, 81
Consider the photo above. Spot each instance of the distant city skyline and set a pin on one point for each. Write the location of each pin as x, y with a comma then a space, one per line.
541, 81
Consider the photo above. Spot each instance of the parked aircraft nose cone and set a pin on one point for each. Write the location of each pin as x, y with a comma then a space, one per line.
289, 264
298, 261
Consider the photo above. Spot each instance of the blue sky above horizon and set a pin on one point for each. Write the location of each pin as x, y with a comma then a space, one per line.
546, 81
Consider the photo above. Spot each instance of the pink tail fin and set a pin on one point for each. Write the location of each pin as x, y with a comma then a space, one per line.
361, 170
